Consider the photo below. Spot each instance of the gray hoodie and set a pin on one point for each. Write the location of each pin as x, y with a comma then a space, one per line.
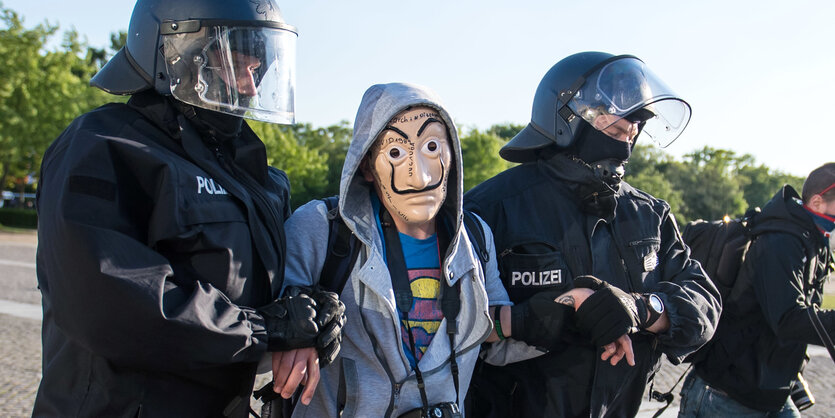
378, 380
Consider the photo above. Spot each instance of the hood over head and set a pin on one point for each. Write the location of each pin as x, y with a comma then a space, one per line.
784, 213
380, 103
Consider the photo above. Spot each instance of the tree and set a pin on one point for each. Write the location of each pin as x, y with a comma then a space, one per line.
759, 183
711, 185
505, 131
647, 170
480, 155
41, 93
311, 157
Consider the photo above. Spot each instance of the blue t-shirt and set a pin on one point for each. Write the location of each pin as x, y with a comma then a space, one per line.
424, 269
423, 266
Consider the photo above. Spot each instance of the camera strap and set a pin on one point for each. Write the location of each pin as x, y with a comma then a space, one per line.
450, 298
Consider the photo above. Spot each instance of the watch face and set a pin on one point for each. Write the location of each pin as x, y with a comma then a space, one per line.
655, 303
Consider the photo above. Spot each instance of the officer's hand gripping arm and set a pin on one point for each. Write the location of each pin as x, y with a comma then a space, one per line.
609, 312
540, 320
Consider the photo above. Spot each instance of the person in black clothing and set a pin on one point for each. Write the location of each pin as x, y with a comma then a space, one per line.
161, 240
766, 325
570, 231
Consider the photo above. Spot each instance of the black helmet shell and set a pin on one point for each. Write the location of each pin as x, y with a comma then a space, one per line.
139, 65
546, 126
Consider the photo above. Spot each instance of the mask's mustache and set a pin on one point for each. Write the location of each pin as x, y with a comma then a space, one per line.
425, 189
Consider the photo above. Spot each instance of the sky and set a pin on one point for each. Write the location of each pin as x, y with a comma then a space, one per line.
756, 73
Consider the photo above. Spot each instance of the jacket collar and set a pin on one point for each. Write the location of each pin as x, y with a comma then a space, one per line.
247, 151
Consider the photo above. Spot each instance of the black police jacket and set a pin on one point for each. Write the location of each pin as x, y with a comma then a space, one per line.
154, 246
543, 242
761, 341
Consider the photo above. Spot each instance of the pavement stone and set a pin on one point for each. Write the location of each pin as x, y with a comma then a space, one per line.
818, 374
20, 362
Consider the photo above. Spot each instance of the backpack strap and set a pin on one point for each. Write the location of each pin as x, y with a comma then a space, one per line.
343, 250
476, 233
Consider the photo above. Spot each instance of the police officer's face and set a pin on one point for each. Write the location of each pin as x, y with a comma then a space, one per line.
242, 73
616, 127
410, 163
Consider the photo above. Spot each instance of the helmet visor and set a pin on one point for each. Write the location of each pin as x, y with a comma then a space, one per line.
242, 71
627, 89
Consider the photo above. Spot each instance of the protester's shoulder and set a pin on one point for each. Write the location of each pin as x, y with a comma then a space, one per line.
312, 211
505, 185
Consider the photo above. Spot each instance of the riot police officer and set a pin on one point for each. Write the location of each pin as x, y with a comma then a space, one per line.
161, 232
567, 226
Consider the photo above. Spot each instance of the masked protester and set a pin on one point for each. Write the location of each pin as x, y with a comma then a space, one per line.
768, 320
566, 223
404, 352
161, 236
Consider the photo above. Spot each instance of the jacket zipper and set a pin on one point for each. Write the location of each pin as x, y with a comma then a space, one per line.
645, 241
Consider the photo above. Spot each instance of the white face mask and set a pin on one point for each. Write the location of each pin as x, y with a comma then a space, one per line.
410, 163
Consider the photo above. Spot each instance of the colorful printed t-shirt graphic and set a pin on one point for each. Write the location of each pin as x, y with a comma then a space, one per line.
424, 270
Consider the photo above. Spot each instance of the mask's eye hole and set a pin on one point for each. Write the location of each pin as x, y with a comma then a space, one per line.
396, 154
432, 146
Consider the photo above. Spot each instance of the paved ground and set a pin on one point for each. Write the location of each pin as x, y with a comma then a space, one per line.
20, 348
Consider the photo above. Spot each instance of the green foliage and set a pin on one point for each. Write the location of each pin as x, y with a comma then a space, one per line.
713, 188
19, 218
647, 170
505, 131
311, 157
480, 155
42, 91
759, 183
709, 184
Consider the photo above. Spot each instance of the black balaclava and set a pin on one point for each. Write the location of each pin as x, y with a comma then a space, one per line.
605, 157
593, 145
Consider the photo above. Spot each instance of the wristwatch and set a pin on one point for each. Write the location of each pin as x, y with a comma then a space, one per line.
655, 306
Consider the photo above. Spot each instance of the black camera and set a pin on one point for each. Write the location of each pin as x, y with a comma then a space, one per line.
441, 410
801, 395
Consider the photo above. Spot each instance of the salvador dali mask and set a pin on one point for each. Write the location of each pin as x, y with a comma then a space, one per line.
410, 163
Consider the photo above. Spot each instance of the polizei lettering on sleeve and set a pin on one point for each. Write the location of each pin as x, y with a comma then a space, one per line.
209, 186
536, 278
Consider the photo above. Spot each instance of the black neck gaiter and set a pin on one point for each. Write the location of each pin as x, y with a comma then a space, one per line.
604, 156
593, 145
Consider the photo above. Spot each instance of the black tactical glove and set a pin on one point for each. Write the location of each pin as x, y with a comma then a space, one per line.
609, 312
290, 322
539, 321
330, 317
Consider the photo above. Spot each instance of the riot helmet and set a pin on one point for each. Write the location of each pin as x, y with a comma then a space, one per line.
604, 91
235, 57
